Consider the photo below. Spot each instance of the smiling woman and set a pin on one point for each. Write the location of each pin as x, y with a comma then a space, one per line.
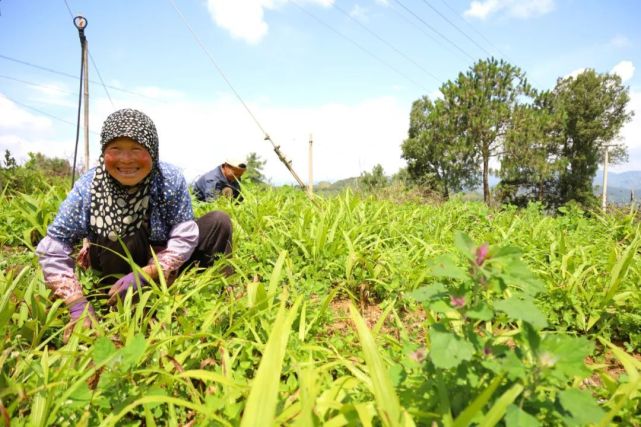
131, 204
127, 161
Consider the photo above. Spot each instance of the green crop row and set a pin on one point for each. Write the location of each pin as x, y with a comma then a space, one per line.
348, 310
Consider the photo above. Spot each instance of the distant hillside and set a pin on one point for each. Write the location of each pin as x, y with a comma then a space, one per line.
629, 180
619, 185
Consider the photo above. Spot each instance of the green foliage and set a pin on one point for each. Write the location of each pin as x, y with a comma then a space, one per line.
36, 174
594, 111
375, 180
437, 157
254, 172
480, 105
446, 330
555, 145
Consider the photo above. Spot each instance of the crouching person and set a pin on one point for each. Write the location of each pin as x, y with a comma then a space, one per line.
130, 198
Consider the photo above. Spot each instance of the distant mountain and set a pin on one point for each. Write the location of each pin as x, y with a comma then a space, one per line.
621, 185
630, 180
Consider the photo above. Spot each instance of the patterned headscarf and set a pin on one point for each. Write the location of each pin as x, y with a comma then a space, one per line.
118, 210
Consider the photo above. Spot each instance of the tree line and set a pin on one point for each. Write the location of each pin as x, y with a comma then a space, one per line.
547, 144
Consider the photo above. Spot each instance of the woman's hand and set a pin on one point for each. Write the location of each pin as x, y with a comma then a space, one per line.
119, 289
77, 308
83, 255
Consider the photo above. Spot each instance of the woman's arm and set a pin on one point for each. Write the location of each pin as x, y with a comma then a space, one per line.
69, 227
57, 268
183, 239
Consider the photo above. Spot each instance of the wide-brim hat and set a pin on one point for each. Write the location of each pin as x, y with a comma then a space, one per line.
236, 163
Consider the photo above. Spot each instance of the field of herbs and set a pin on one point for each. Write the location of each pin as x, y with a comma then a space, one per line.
352, 310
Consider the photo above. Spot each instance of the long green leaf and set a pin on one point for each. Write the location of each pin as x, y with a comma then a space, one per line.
386, 398
263, 396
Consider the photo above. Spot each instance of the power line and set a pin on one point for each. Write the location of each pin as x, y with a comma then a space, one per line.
503, 55
281, 156
456, 26
460, 49
62, 73
41, 112
57, 89
363, 48
95, 66
388, 44
220, 71
474, 29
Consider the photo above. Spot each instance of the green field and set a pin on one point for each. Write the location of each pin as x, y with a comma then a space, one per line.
352, 310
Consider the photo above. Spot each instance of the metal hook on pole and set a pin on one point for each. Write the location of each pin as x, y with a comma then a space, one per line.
80, 23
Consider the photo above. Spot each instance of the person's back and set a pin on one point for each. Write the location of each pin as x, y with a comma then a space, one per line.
224, 179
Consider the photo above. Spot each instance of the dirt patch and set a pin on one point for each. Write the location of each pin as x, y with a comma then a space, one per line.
341, 322
609, 365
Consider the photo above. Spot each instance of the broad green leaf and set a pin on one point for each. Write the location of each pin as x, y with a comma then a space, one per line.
480, 312
445, 266
103, 349
505, 252
447, 350
517, 417
565, 355
464, 244
519, 309
581, 405
133, 351
427, 293
81, 396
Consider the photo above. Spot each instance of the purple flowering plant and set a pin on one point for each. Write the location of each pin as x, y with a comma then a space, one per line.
486, 342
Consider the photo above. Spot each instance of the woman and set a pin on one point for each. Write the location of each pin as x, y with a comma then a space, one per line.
134, 200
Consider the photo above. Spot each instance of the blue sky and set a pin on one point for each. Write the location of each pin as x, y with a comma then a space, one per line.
345, 72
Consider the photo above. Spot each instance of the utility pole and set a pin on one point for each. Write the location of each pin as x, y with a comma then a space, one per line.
86, 102
604, 200
310, 179
81, 23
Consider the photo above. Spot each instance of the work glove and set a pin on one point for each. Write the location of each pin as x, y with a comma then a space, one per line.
76, 310
119, 289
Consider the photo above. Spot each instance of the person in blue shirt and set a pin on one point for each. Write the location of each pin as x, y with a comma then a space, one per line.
130, 199
223, 180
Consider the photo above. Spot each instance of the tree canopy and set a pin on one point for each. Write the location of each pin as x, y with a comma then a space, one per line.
548, 144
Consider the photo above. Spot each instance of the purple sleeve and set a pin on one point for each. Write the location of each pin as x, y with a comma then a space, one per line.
182, 242
57, 267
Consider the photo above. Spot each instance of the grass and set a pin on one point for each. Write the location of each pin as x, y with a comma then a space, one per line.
240, 350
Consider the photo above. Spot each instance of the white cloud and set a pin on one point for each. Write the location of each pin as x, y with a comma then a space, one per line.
159, 93
15, 118
57, 94
620, 41
624, 69
245, 19
631, 134
197, 136
483, 9
358, 12
575, 73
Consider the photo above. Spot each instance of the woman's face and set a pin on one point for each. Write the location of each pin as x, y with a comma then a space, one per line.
127, 161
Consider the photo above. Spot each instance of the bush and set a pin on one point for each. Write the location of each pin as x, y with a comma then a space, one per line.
35, 175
